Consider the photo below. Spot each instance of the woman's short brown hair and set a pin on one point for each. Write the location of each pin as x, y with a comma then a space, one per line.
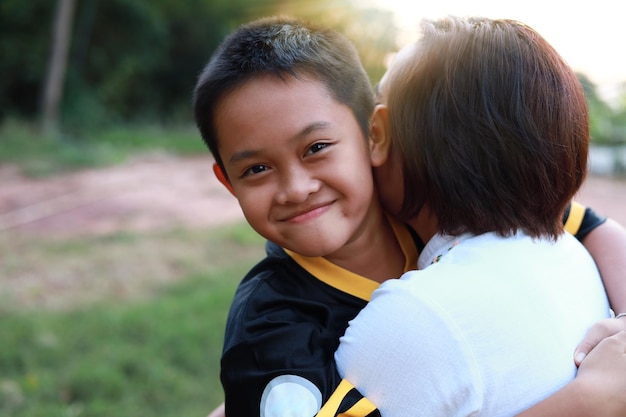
492, 127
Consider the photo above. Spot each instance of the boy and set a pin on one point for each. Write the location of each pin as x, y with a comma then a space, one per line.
285, 110
291, 141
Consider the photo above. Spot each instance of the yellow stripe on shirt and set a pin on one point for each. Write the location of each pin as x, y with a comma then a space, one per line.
361, 409
575, 218
332, 405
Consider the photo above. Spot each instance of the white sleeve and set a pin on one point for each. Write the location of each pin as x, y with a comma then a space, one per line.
407, 356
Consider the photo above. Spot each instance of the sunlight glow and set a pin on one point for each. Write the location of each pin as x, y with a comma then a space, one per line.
590, 36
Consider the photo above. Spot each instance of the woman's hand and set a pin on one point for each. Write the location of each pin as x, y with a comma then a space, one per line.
599, 331
603, 373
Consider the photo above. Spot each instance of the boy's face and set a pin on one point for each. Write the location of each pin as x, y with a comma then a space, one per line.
297, 162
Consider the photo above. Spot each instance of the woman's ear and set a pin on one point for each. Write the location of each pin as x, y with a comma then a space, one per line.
219, 174
380, 140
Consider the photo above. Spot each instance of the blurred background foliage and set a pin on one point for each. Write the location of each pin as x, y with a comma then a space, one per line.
136, 61
88, 330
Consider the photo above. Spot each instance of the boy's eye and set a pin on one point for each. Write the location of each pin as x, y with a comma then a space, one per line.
316, 148
256, 169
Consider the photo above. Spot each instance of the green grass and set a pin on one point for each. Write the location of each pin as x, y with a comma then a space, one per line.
36, 155
153, 352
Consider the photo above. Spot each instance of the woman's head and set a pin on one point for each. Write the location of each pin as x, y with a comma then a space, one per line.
491, 126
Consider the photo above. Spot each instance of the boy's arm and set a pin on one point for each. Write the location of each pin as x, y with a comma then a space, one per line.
605, 240
281, 335
345, 398
287, 387
278, 367
599, 388
607, 245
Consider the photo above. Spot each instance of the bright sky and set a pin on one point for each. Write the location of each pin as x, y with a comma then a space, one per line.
590, 35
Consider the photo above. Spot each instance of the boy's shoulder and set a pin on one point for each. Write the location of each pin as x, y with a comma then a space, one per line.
285, 274
280, 312
280, 290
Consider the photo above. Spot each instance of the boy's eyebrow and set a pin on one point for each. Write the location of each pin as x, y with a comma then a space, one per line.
311, 128
307, 130
238, 156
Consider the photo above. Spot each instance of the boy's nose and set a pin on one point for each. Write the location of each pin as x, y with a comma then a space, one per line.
296, 186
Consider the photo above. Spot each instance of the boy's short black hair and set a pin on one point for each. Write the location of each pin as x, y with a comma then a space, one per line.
492, 127
282, 47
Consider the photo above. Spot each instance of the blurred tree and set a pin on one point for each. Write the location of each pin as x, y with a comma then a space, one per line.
618, 131
138, 60
600, 113
57, 64
608, 123
24, 44
619, 115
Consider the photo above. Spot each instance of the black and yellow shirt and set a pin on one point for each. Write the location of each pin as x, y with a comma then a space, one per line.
284, 326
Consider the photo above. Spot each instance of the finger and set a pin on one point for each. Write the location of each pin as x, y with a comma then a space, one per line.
595, 335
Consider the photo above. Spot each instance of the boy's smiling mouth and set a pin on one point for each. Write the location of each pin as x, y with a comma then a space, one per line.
309, 213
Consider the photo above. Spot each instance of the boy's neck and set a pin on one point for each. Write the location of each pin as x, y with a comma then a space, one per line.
376, 255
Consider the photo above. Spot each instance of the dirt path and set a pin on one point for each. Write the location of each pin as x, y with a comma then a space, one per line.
145, 194
162, 192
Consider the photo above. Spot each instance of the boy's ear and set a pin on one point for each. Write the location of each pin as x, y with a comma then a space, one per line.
219, 174
380, 140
